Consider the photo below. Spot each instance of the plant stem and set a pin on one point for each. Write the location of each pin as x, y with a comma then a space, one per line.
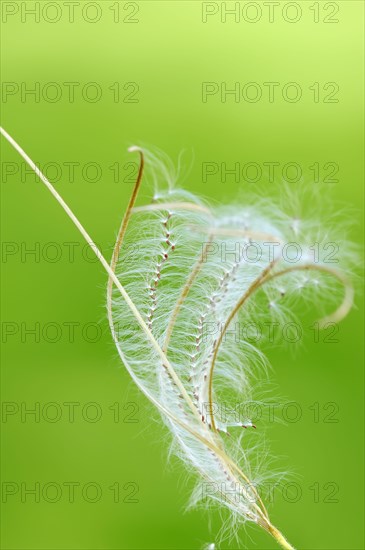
279, 537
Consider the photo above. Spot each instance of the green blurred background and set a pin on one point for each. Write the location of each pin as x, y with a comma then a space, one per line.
166, 51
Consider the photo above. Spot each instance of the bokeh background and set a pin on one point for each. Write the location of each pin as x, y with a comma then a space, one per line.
156, 55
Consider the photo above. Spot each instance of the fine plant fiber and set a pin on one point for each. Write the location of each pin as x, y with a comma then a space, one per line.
183, 275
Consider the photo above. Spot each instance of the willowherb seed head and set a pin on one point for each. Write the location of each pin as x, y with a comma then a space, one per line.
186, 280
227, 266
